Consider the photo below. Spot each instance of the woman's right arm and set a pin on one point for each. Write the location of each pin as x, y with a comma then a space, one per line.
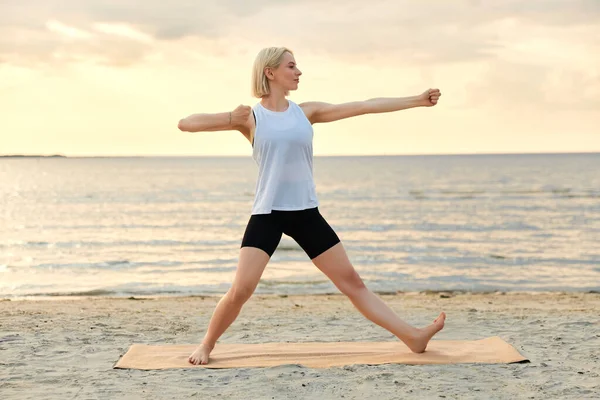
205, 122
237, 119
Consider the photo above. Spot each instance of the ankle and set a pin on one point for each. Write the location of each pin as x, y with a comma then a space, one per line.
412, 335
208, 344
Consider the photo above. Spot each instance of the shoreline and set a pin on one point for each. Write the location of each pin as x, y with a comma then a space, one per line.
441, 293
325, 155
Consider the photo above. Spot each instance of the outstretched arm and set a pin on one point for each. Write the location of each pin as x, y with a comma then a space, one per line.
325, 112
237, 119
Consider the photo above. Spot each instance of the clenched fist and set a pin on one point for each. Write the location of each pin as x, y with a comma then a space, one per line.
240, 115
430, 97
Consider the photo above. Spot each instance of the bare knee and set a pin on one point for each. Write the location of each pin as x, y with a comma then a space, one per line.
239, 294
352, 285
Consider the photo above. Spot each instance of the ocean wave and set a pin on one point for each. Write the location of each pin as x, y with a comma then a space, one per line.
133, 289
128, 264
512, 194
270, 283
120, 243
508, 226
207, 270
289, 247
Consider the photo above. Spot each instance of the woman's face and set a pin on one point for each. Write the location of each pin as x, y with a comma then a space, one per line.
287, 75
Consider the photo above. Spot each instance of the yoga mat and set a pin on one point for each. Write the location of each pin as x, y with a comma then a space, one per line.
492, 350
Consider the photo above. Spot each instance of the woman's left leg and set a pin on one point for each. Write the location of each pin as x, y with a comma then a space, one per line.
335, 264
321, 243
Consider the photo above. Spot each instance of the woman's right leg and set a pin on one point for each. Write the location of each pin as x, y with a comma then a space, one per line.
251, 265
260, 240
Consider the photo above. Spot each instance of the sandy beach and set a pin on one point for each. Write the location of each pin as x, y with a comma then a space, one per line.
65, 349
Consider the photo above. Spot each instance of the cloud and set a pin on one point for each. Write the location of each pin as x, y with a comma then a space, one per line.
60, 44
417, 31
122, 32
549, 12
69, 31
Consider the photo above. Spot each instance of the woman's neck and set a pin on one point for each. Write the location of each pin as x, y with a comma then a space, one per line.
275, 103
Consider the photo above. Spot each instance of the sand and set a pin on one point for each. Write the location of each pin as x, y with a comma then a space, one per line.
65, 349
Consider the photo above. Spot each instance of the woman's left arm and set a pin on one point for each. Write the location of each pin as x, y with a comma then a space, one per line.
325, 112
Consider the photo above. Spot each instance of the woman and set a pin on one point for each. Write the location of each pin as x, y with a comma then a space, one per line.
281, 134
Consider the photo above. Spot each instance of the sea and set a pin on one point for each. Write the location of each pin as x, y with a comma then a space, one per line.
172, 226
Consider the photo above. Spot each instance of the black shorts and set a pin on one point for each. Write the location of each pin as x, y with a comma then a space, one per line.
307, 227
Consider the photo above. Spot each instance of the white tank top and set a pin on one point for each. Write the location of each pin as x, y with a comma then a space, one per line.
282, 149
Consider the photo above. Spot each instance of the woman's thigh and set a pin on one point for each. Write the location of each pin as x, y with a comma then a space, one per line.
312, 232
251, 265
260, 240
263, 232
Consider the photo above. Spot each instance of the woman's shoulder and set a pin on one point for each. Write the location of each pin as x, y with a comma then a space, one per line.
308, 108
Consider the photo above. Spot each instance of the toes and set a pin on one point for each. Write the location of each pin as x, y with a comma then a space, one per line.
442, 317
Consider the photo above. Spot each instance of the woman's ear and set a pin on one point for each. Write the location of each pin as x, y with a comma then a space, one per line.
269, 73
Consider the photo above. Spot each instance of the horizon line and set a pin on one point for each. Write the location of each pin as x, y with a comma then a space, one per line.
322, 155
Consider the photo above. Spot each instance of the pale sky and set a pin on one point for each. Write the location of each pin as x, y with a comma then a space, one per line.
113, 77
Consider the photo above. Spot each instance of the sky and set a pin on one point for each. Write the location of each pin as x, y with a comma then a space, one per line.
114, 77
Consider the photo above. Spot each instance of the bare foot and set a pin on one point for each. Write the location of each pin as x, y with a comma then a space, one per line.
419, 342
200, 355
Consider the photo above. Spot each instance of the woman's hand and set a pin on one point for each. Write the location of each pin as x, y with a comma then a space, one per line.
240, 115
430, 97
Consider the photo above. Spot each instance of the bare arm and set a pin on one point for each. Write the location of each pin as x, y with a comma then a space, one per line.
325, 112
239, 119
206, 122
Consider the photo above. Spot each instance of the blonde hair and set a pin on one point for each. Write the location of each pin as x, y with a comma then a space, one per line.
269, 57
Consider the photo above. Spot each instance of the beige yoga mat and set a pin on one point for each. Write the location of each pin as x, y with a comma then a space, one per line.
491, 350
